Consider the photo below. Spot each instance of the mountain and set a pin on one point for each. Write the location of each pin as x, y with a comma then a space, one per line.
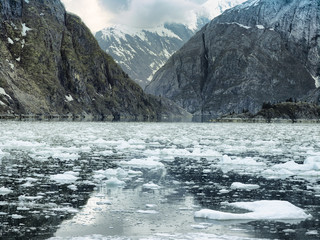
52, 66
142, 51
260, 51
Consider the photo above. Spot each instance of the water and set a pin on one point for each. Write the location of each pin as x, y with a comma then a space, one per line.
80, 180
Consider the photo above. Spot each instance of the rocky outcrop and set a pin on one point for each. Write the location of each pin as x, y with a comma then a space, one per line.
242, 59
51, 65
297, 21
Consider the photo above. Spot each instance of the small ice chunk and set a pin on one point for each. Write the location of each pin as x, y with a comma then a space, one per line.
143, 163
151, 186
147, 211
114, 182
238, 185
5, 191
17, 216
224, 191
65, 178
73, 187
312, 232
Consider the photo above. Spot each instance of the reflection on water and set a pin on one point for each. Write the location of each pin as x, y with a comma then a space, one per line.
146, 181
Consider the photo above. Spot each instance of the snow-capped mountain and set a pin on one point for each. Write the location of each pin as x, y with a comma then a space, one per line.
141, 52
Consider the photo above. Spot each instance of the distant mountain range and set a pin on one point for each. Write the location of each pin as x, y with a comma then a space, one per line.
141, 52
257, 52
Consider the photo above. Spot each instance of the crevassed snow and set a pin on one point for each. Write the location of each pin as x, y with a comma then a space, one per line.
10, 41
24, 30
69, 98
3, 92
261, 27
248, 4
119, 32
259, 210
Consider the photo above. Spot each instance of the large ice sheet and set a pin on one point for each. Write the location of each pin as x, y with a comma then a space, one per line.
259, 210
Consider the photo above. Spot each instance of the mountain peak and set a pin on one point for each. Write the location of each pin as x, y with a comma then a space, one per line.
142, 51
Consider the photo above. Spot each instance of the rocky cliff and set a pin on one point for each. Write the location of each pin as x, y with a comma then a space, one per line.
51, 65
260, 51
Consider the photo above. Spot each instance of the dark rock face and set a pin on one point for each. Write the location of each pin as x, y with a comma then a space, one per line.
233, 65
297, 21
50, 64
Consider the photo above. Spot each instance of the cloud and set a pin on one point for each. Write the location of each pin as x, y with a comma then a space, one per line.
150, 13
98, 14
91, 12
115, 5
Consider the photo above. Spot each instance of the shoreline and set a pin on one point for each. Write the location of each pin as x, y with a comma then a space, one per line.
263, 120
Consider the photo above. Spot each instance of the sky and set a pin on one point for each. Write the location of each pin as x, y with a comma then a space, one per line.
98, 14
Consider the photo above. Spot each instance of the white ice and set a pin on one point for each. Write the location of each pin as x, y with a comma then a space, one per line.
259, 210
5, 191
65, 178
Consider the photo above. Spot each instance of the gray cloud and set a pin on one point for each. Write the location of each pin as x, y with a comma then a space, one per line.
115, 5
150, 13
98, 14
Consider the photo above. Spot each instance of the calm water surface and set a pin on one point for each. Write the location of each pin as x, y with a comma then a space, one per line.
64, 180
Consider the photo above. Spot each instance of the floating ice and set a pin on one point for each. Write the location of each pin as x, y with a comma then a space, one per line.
65, 178
147, 211
5, 191
73, 187
114, 182
143, 163
17, 216
238, 185
259, 210
151, 186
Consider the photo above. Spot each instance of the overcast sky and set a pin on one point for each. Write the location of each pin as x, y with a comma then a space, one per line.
98, 14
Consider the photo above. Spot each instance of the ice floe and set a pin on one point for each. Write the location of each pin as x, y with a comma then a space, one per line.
65, 178
5, 191
238, 185
259, 210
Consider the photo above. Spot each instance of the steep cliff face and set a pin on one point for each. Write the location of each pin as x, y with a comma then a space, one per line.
297, 21
234, 64
50, 64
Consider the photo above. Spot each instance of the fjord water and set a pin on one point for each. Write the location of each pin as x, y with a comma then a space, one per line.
89, 180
